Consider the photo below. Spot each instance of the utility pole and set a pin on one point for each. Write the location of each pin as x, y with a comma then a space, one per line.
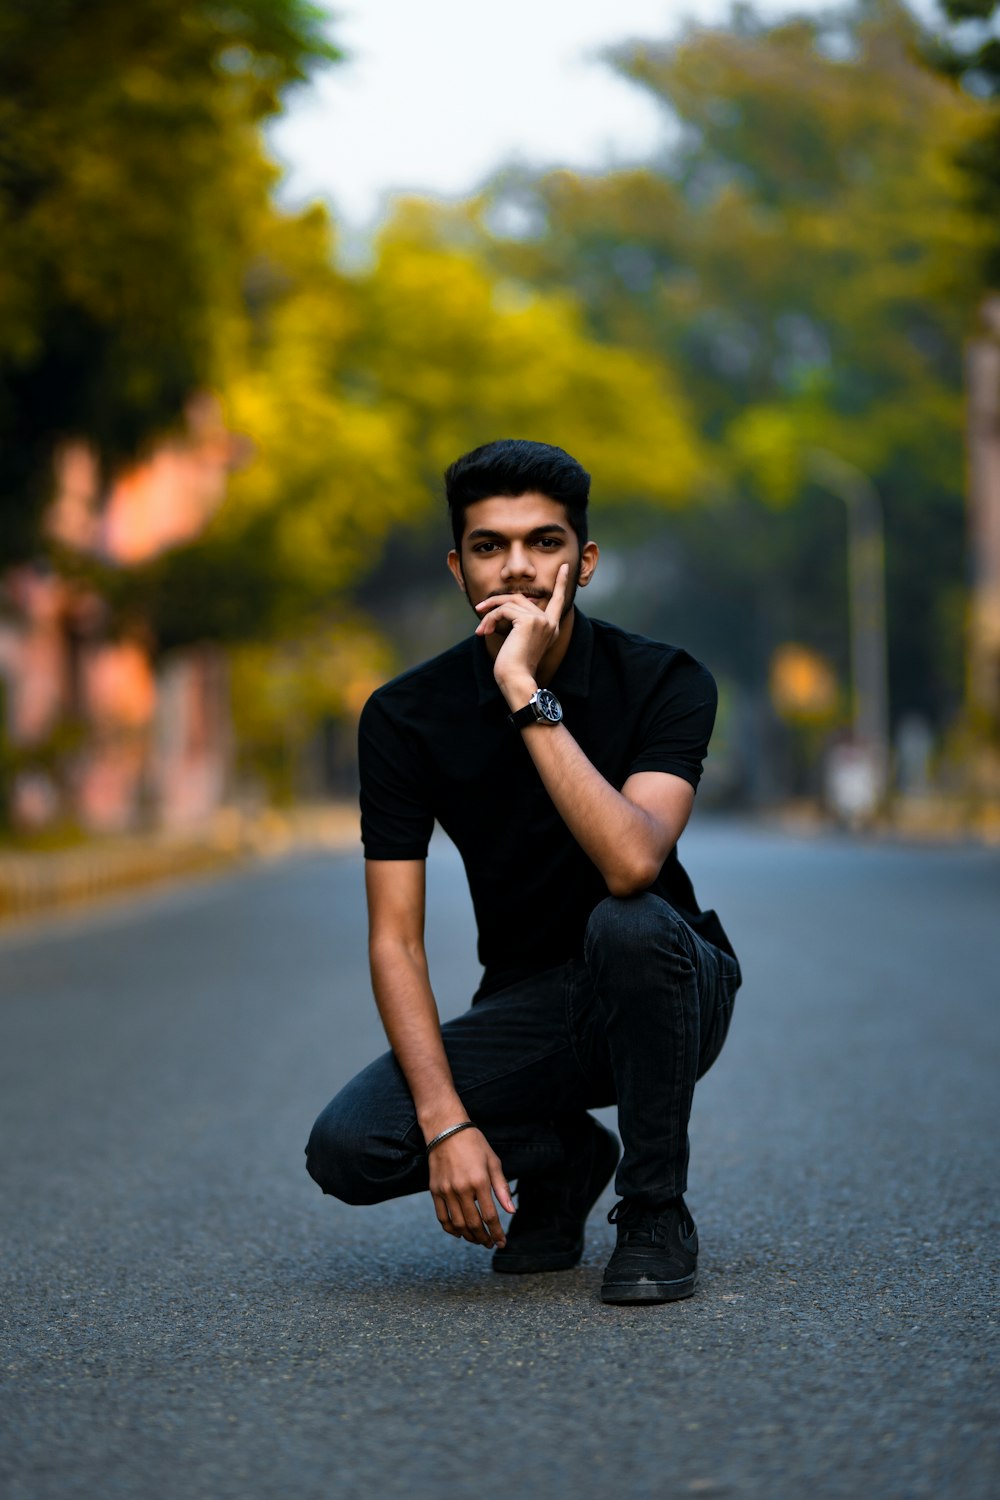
866, 605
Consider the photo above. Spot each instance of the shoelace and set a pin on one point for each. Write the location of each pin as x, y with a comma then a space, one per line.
639, 1225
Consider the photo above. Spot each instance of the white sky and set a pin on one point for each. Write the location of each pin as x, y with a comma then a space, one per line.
437, 93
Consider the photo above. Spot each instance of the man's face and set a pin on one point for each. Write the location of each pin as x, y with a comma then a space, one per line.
517, 546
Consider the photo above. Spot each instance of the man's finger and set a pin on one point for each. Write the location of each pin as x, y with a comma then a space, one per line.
492, 601
501, 1187
557, 603
505, 612
477, 1229
458, 1218
490, 1217
475, 1223
464, 1215
443, 1217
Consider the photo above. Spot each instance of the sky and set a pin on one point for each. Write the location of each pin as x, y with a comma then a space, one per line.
438, 93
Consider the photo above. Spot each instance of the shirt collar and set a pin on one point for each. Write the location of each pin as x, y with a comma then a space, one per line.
572, 677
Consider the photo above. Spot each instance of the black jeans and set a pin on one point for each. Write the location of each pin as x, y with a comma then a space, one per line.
634, 1022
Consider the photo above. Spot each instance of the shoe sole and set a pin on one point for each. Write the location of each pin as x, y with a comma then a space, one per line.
649, 1291
514, 1264
531, 1265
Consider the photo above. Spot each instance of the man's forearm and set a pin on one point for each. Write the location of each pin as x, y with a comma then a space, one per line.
627, 837
624, 842
409, 1015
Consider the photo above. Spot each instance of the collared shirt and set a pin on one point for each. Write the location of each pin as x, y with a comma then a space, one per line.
436, 744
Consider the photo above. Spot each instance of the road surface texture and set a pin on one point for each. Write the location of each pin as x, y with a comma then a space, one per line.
186, 1316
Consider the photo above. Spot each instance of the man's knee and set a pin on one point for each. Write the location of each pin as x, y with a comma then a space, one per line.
632, 925
347, 1160
331, 1154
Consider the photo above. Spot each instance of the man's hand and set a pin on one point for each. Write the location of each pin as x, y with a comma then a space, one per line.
529, 631
465, 1176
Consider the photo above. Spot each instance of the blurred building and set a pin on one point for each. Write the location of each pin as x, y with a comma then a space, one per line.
96, 729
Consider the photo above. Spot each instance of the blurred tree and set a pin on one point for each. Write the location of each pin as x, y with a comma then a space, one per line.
801, 252
281, 691
325, 472
357, 391
464, 355
971, 54
129, 162
147, 260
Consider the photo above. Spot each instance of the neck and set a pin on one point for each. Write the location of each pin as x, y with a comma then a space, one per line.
550, 662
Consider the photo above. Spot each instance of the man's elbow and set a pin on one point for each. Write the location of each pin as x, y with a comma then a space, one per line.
388, 952
631, 879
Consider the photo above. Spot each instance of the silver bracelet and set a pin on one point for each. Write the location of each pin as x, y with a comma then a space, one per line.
452, 1130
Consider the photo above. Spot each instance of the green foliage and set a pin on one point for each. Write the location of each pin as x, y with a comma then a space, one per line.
971, 54
129, 165
355, 392
803, 253
464, 356
280, 691
795, 271
148, 259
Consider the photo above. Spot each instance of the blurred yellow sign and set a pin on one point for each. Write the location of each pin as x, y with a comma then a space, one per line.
803, 685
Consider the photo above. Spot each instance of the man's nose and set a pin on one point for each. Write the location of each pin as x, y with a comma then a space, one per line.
518, 563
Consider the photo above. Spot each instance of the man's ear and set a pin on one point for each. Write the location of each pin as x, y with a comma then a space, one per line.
588, 562
455, 568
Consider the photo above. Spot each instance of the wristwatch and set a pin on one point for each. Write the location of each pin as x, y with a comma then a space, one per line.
543, 707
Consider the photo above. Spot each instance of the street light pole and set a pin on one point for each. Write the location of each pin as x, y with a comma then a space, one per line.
866, 605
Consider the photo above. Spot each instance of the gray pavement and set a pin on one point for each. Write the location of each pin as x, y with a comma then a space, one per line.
184, 1315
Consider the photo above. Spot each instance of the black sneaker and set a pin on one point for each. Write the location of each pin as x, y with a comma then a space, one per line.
656, 1259
546, 1233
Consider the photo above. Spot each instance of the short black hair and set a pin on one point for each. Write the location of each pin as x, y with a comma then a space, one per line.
516, 466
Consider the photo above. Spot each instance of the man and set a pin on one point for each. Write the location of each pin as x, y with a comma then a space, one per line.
561, 755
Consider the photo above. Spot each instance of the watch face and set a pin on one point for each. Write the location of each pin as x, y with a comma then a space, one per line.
548, 705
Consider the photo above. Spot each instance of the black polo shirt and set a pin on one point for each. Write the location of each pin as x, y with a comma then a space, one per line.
435, 744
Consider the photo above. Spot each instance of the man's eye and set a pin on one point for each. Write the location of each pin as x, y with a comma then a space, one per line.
485, 547
548, 542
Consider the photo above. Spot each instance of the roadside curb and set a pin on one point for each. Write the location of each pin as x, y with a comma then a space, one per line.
32, 883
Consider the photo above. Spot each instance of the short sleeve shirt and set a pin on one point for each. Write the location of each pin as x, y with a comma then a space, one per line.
436, 746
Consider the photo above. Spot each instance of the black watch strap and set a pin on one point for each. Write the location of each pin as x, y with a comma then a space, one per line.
526, 715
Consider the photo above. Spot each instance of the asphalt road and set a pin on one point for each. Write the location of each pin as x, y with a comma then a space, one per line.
185, 1315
